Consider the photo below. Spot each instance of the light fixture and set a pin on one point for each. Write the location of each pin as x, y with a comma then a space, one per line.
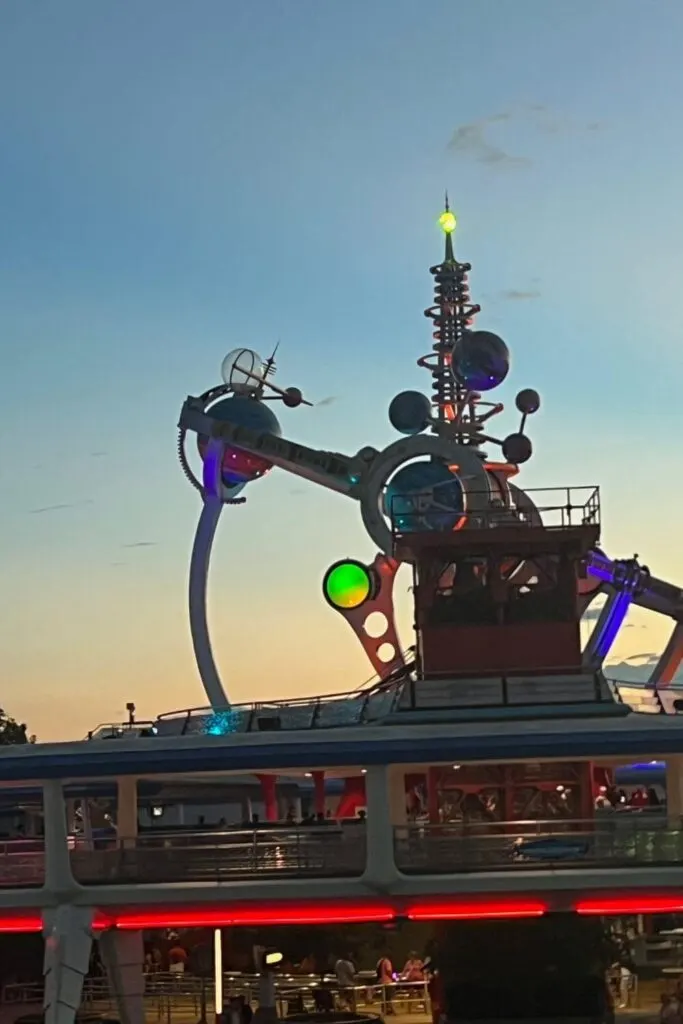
218, 971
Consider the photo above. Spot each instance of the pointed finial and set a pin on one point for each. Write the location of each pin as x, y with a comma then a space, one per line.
446, 205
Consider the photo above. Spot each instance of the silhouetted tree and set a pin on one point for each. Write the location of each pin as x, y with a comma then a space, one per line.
12, 732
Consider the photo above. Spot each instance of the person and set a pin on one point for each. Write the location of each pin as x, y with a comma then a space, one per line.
413, 972
670, 1012
345, 972
624, 978
177, 959
385, 978
413, 968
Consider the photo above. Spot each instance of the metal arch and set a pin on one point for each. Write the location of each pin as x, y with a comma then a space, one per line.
470, 467
214, 495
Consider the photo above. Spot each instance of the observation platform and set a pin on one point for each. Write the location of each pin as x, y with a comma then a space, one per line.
381, 705
325, 852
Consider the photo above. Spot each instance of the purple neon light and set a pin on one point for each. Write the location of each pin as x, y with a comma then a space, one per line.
612, 624
213, 465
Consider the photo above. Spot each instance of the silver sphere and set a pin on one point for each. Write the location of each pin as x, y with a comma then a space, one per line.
238, 369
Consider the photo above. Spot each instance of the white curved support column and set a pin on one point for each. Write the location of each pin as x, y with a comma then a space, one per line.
123, 957
386, 808
199, 625
68, 942
670, 660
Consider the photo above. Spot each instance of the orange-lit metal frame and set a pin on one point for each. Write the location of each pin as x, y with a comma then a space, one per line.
671, 657
385, 569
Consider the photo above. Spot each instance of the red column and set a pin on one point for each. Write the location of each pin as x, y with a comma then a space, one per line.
268, 783
319, 793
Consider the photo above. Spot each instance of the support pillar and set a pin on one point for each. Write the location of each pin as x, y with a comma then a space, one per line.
127, 810
59, 877
268, 789
382, 784
319, 793
433, 777
674, 790
68, 942
123, 957
266, 1012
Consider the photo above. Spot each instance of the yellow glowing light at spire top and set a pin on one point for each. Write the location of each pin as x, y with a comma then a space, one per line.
447, 222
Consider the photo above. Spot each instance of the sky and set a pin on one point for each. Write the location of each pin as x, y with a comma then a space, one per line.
179, 179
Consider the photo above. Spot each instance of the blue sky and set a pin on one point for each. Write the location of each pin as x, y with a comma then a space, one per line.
177, 179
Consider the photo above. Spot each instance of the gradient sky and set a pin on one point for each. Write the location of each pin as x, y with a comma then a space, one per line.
177, 179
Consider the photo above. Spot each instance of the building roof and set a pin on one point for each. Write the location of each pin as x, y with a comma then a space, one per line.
637, 736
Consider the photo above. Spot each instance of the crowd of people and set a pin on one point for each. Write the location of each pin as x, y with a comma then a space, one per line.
416, 970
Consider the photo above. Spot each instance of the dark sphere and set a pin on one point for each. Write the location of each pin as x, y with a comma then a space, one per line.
410, 412
528, 401
480, 360
292, 397
517, 448
240, 466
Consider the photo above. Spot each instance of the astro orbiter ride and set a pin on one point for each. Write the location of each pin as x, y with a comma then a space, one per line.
436, 477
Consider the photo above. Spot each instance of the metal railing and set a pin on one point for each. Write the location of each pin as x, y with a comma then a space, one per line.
554, 508
640, 697
171, 996
612, 839
321, 851
331, 711
22, 863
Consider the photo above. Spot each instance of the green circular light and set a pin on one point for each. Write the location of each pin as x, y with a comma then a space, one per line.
347, 584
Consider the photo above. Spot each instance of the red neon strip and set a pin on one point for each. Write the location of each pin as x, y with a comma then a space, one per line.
643, 904
21, 923
332, 912
205, 917
451, 910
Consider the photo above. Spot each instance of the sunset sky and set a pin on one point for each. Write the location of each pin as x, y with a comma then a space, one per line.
178, 179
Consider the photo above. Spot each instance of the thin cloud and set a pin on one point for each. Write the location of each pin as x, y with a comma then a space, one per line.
473, 140
60, 507
520, 295
98, 455
141, 544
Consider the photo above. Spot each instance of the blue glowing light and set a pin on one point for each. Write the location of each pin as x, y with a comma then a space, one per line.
222, 723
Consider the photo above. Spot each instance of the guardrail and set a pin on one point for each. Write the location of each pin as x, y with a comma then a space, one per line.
174, 995
330, 711
613, 840
22, 863
316, 852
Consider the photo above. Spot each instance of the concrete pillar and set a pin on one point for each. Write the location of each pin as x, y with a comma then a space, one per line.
266, 1012
59, 878
382, 788
127, 810
68, 942
123, 957
674, 790
433, 778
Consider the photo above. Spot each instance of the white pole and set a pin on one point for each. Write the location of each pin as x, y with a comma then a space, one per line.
218, 971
